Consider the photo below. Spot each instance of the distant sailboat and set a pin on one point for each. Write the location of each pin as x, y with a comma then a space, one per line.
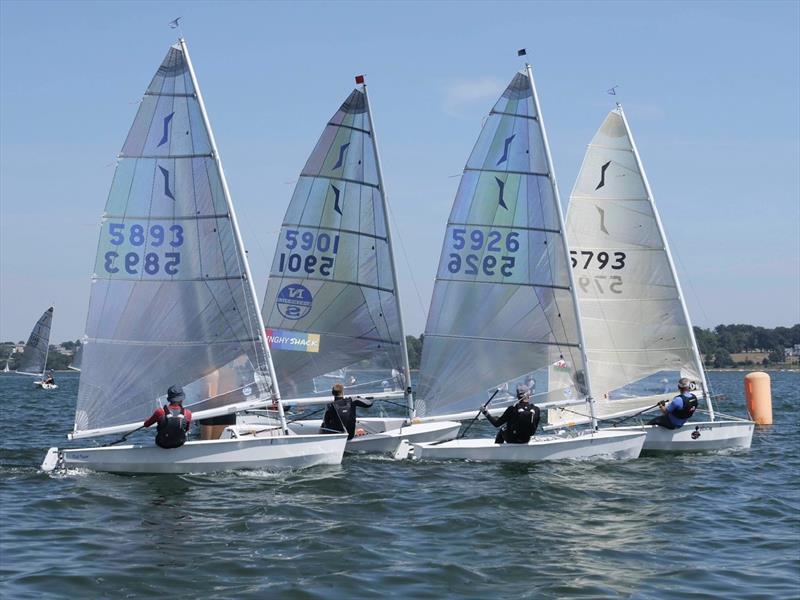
504, 310
332, 306
173, 302
638, 332
8, 360
75, 365
36, 351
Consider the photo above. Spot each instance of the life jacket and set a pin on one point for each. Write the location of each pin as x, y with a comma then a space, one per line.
522, 424
340, 416
689, 406
171, 432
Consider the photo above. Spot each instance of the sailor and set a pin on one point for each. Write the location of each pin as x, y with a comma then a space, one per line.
340, 415
680, 409
519, 422
173, 420
49, 379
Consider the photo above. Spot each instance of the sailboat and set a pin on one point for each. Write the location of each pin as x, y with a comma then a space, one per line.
172, 302
77, 358
639, 337
7, 369
332, 305
503, 309
36, 351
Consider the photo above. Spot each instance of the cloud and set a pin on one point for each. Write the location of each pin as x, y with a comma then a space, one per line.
461, 96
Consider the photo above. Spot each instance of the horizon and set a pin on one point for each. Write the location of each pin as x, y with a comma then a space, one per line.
715, 120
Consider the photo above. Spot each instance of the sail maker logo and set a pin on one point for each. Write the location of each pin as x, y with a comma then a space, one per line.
294, 301
278, 339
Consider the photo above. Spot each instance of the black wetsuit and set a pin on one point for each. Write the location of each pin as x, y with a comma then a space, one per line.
520, 423
340, 416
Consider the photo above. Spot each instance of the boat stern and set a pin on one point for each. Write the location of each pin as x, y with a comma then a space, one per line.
51, 460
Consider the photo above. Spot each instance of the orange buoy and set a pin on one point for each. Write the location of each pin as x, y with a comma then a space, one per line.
758, 395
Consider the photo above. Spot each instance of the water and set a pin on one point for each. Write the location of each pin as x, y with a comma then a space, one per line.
691, 526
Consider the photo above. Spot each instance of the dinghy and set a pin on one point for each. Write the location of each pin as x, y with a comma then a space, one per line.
173, 302
34, 356
639, 338
77, 358
332, 306
504, 310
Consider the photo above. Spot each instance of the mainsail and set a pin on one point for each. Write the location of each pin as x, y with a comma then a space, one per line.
639, 340
331, 305
34, 356
502, 310
170, 301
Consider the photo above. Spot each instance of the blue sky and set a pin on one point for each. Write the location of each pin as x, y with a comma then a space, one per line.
712, 92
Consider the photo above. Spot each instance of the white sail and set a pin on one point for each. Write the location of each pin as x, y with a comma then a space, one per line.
34, 355
77, 359
170, 301
502, 310
638, 336
331, 308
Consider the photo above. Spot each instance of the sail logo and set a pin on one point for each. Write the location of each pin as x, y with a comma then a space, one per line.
279, 339
294, 301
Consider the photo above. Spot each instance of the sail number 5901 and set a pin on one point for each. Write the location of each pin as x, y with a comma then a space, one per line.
319, 244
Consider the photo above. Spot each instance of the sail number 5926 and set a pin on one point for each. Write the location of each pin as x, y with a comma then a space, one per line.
494, 245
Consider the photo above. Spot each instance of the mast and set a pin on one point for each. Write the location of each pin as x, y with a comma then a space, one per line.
238, 237
652, 201
403, 347
572, 289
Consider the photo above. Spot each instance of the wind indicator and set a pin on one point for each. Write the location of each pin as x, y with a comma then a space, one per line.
612, 91
360, 79
175, 24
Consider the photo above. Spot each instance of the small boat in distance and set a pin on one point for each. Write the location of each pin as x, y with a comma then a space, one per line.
34, 356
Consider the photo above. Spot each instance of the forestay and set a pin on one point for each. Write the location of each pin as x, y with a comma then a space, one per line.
330, 307
34, 356
170, 301
638, 337
502, 311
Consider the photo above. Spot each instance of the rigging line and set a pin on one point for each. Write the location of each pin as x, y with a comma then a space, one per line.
405, 256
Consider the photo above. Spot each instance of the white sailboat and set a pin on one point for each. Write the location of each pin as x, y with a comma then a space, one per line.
504, 308
172, 302
77, 358
36, 351
639, 337
332, 306
7, 369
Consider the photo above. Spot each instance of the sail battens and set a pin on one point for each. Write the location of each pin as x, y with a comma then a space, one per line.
351, 127
498, 112
339, 229
506, 172
176, 343
165, 156
348, 282
499, 226
171, 95
492, 339
151, 279
344, 179
166, 217
510, 283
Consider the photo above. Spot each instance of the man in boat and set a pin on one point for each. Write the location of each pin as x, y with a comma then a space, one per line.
173, 420
519, 422
679, 410
49, 379
340, 415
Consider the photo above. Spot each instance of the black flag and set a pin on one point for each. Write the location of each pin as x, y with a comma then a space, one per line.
521, 52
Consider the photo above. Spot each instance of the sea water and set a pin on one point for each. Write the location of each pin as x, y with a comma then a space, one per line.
720, 525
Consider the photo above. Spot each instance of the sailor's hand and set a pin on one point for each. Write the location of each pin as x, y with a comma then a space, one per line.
662, 403
483, 410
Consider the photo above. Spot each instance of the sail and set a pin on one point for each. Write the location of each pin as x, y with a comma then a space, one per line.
330, 308
502, 311
170, 302
34, 355
77, 358
638, 340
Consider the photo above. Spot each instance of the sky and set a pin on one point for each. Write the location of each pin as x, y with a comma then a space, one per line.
711, 91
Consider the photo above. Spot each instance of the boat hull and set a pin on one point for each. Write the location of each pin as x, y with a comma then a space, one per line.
707, 436
45, 386
617, 445
277, 452
383, 434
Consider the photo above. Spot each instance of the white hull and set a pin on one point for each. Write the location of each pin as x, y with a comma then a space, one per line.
383, 434
45, 386
707, 436
276, 452
607, 444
